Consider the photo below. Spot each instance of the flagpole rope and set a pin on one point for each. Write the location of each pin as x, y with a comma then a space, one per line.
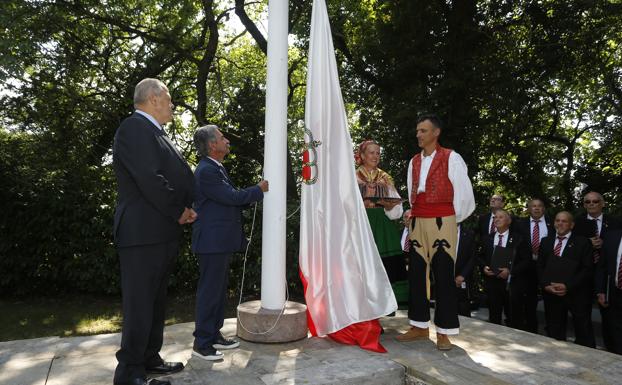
243, 276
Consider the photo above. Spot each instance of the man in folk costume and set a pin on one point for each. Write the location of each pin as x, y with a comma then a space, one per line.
441, 196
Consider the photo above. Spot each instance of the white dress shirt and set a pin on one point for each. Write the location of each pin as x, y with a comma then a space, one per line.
464, 201
564, 242
542, 229
599, 221
504, 238
151, 118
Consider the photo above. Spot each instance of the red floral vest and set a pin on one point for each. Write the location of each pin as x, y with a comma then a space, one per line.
438, 187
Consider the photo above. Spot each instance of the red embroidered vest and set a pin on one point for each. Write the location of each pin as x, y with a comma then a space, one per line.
438, 187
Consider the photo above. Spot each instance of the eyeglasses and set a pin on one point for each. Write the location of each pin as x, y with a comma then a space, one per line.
587, 201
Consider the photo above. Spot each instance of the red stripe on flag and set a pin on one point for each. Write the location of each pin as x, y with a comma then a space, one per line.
365, 334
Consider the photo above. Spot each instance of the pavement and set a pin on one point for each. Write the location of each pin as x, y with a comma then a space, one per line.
483, 353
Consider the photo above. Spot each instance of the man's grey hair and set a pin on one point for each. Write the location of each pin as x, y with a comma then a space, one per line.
147, 87
202, 136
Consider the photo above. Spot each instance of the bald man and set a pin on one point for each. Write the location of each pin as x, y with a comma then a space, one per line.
565, 271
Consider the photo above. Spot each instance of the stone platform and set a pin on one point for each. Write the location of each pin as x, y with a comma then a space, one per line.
483, 354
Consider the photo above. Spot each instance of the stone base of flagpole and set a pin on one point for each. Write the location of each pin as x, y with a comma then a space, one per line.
256, 324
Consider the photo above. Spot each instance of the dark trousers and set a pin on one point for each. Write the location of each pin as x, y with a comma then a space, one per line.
145, 272
556, 313
498, 299
615, 317
446, 301
531, 303
464, 303
211, 297
524, 303
607, 327
395, 266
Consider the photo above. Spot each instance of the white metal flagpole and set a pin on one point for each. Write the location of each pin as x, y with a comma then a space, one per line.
275, 165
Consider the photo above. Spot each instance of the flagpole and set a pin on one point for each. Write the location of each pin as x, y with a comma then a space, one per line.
275, 166
274, 320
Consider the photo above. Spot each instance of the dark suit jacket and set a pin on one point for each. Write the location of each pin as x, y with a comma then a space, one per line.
218, 228
586, 227
154, 184
465, 257
524, 226
483, 227
578, 254
515, 242
606, 266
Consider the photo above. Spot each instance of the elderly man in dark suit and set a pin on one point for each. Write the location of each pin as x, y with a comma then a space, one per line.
565, 272
533, 228
486, 222
499, 285
609, 285
595, 225
155, 193
216, 235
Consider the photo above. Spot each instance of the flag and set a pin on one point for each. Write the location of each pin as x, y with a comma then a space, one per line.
346, 286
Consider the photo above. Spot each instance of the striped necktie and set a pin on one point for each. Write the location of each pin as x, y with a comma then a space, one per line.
596, 252
535, 237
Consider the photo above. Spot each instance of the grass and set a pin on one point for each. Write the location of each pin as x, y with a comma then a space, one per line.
70, 316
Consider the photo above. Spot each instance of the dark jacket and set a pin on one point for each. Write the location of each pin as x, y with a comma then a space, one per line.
577, 255
465, 257
520, 251
218, 228
154, 184
606, 266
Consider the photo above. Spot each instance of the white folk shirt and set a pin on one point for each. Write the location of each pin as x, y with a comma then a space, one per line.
464, 201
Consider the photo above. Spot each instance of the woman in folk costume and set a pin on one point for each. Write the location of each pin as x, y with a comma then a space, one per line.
383, 205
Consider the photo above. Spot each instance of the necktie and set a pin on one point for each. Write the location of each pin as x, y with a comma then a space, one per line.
558, 247
596, 252
492, 227
535, 237
620, 275
500, 243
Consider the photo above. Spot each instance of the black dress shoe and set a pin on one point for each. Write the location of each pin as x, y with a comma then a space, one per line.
223, 343
144, 381
166, 368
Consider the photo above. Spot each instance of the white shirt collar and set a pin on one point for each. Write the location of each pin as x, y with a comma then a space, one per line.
504, 234
151, 119
567, 235
431, 156
600, 217
217, 162
541, 219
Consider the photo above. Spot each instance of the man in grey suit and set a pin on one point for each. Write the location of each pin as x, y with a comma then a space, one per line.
154, 199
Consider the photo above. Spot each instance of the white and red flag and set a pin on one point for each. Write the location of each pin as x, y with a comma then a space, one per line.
346, 285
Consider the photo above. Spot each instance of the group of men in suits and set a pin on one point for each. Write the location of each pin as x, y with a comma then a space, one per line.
157, 195
569, 261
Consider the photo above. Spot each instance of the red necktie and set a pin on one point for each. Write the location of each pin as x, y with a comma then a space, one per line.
492, 227
596, 252
535, 237
558, 247
500, 243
